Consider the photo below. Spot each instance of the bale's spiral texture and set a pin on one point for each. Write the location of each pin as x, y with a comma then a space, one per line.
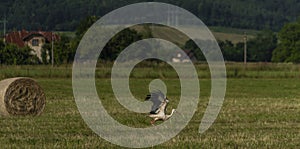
21, 96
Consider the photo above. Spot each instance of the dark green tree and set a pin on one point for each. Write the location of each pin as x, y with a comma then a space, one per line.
260, 48
13, 55
191, 45
61, 51
147, 32
232, 52
84, 25
118, 43
288, 49
66, 14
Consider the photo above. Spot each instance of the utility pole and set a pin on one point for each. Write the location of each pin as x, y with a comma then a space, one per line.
176, 17
52, 54
4, 21
245, 48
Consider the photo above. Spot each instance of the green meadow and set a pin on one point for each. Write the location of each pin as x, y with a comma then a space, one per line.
261, 108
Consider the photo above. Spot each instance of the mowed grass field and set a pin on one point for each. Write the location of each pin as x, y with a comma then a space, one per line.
260, 110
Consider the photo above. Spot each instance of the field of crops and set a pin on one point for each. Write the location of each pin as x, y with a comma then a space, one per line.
159, 70
261, 108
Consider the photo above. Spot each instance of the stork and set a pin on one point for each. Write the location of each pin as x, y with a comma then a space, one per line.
159, 107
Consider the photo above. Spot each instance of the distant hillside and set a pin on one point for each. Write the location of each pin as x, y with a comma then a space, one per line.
64, 15
222, 34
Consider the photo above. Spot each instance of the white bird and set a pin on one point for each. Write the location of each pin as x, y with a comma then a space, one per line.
159, 107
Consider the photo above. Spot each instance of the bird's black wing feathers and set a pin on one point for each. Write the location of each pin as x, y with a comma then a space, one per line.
156, 98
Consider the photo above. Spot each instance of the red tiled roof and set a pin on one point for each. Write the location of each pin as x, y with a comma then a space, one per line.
19, 37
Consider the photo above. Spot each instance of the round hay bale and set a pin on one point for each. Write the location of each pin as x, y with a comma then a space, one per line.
21, 96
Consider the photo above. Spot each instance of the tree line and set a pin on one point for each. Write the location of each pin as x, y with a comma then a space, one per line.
13, 55
267, 46
65, 15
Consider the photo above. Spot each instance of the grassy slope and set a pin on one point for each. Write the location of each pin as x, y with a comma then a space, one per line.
220, 33
232, 34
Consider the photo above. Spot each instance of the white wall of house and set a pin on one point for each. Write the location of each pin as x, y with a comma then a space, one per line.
36, 43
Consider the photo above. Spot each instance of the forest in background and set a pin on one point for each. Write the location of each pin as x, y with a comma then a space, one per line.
277, 41
267, 46
65, 15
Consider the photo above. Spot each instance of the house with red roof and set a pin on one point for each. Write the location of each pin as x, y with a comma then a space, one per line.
33, 39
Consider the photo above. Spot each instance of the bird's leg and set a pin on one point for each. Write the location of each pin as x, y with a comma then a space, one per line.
152, 122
